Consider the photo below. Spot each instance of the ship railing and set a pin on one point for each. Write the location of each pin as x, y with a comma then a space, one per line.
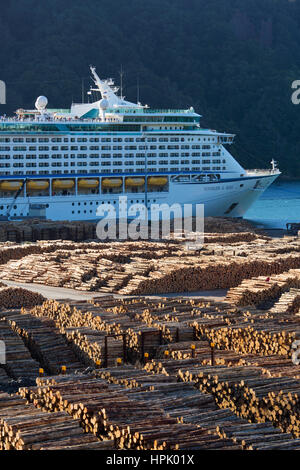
258, 171
149, 111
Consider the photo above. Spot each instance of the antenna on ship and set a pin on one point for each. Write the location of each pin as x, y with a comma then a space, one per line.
121, 81
138, 89
274, 164
82, 90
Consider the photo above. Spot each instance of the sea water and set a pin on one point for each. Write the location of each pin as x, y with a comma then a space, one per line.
277, 206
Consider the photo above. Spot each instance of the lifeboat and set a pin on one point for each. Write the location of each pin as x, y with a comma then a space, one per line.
112, 182
10, 185
157, 181
88, 183
63, 184
37, 184
135, 182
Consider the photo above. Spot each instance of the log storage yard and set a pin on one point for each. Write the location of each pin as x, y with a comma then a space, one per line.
146, 362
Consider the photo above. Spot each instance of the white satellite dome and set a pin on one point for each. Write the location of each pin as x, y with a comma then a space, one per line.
103, 104
41, 103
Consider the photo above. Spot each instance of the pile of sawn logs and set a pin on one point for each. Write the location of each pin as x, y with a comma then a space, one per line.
45, 343
132, 418
24, 427
14, 297
19, 363
85, 329
153, 267
251, 395
256, 290
34, 230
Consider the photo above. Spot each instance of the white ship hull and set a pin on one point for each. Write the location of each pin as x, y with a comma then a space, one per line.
228, 197
63, 164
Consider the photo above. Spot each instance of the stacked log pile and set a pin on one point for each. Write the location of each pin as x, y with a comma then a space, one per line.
132, 419
12, 297
248, 398
45, 342
24, 427
133, 377
264, 338
185, 275
82, 330
152, 267
250, 394
192, 407
231, 416
200, 350
274, 366
89, 345
101, 410
288, 302
243, 332
34, 230
18, 360
256, 290
203, 411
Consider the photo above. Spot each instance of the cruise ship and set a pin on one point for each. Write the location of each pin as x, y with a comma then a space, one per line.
62, 164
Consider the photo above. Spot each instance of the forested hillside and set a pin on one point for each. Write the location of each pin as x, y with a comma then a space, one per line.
233, 60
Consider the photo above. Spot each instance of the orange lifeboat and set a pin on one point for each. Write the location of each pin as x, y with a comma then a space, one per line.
63, 184
10, 185
157, 181
112, 182
36, 185
134, 182
88, 183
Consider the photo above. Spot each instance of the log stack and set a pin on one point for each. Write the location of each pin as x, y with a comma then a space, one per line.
132, 419
19, 362
250, 340
44, 342
14, 297
257, 290
93, 349
24, 427
151, 267
264, 399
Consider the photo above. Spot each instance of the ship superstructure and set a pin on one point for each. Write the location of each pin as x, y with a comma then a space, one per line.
62, 164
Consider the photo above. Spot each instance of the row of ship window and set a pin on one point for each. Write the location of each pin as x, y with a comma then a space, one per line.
109, 171
103, 147
107, 139
115, 163
108, 155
